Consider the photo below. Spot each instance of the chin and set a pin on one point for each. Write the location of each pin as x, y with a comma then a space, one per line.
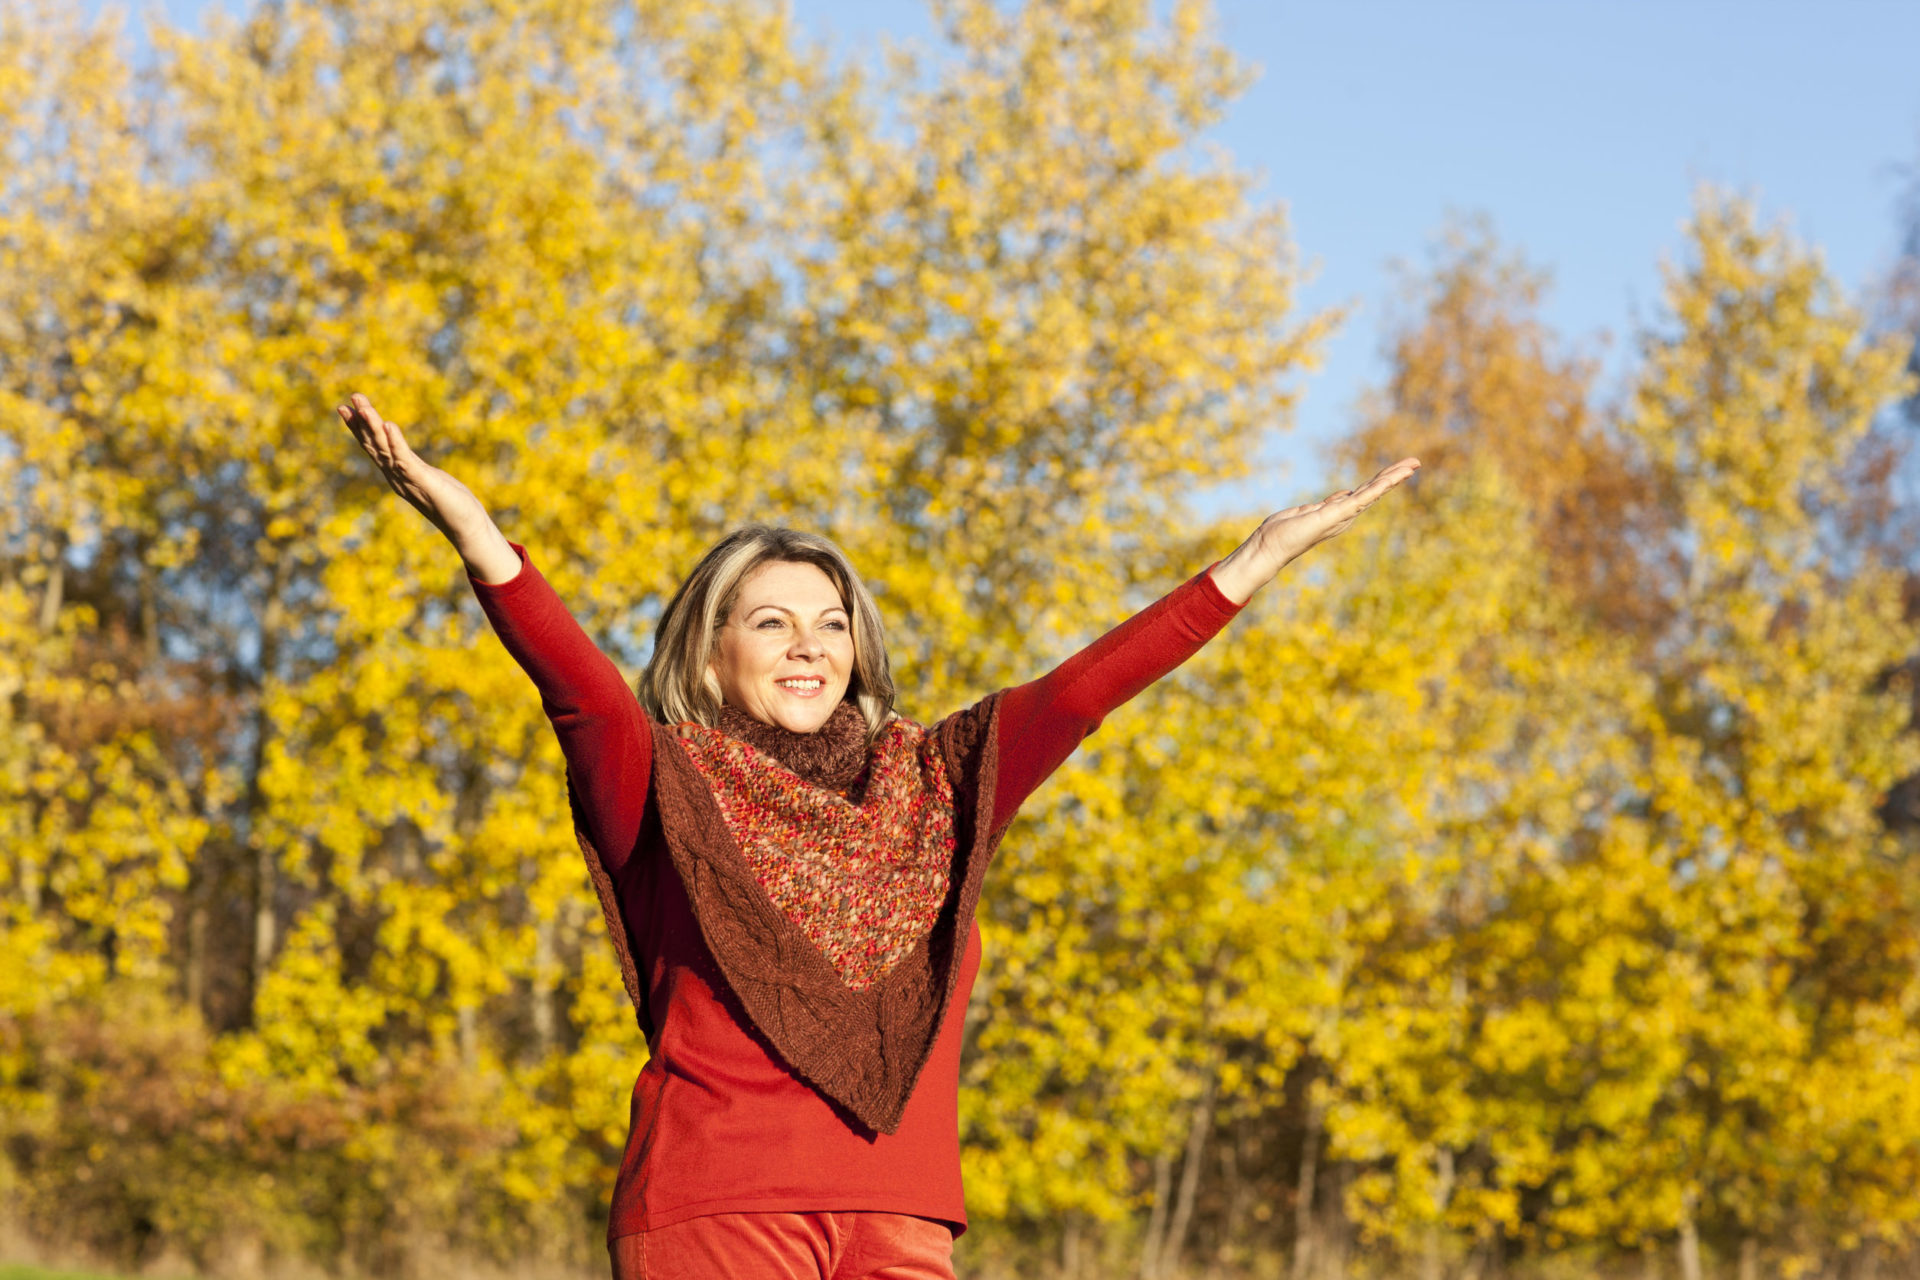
803, 720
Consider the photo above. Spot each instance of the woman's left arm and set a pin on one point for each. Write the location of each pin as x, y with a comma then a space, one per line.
1041, 722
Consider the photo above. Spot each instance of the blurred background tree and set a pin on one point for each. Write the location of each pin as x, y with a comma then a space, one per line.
1519, 884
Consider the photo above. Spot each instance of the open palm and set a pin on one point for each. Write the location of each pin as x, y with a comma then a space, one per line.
449, 504
1286, 535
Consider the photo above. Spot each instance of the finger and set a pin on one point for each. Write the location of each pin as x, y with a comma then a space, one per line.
386, 436
398, 438
353, 415
1381, 482
403, 453
372, 433
367, 412
1394, 474
1384, 479
361, 436
1348, 502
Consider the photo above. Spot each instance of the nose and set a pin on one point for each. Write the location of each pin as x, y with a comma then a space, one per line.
807, 642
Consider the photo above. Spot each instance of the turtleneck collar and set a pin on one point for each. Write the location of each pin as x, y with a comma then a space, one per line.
832, 756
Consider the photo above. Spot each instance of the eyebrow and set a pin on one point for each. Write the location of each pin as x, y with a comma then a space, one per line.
832, 608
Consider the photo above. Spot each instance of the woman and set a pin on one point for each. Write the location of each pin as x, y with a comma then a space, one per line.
789, 872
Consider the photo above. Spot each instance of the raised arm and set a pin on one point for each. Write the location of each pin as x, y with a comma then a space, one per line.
602, 730
1043, 721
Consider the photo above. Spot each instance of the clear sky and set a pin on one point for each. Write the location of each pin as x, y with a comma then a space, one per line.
1579, 127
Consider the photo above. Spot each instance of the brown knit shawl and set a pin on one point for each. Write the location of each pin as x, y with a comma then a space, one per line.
833, 756
862, 1049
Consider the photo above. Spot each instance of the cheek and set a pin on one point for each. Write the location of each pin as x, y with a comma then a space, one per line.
763, 654
733, 659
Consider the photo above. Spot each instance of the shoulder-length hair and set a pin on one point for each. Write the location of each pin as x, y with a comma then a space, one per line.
677, 686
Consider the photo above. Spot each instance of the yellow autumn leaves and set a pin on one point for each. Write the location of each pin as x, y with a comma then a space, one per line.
1508, 881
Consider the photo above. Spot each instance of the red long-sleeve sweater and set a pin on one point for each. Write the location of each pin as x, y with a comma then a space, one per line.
718, 1123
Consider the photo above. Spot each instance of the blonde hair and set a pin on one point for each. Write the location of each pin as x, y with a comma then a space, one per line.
677, 686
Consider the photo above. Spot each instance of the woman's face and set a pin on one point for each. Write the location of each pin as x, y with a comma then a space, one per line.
785, 654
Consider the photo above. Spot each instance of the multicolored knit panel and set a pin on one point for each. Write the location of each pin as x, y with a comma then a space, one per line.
864, 882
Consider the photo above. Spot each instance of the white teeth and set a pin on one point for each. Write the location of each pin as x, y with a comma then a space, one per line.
801, 684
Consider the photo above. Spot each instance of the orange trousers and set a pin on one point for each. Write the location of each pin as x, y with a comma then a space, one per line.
850, 1245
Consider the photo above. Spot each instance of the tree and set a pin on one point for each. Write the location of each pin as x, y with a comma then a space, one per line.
638, 273
1778, 735
1476, 374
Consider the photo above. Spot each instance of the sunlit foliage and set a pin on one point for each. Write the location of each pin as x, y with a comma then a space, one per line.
1508, 881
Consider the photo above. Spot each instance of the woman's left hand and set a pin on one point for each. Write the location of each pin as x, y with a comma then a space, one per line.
1285, 536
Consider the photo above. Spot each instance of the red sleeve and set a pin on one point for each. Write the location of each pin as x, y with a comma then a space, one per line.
602, 730
1043, 721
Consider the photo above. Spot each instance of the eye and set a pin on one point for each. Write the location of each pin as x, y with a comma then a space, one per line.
836, 623
770, 622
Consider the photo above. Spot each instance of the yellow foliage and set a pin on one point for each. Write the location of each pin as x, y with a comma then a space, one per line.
1533, 879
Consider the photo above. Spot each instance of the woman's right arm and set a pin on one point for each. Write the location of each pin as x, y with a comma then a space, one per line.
603, 732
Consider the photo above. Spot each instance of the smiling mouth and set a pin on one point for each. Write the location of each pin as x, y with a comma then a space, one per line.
807, 688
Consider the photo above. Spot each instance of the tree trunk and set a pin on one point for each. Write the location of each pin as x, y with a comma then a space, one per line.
196, 965
467, 1020
545, 1026
1157, 1219
1197, 1131
1432, 1264
265, 869
1310, 1240
1303, 1240
1236, 1196
53, 596
266, 881
1476, 1263
1335, 1233
1749, 1258
149, 617
1689, 1246
1070, 1248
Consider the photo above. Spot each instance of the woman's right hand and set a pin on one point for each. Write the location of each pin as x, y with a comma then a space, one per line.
443, 500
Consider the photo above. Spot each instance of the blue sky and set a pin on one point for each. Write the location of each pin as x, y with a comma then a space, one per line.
1580, 128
